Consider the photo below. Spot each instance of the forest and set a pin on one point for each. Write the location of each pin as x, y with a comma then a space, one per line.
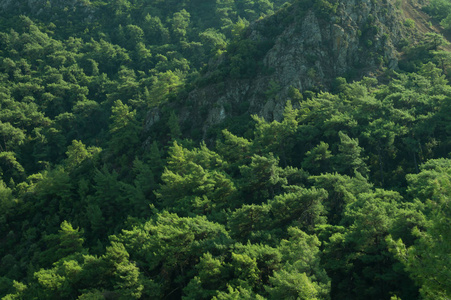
348, 196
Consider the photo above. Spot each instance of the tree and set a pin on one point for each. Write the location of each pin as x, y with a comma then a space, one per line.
67, 242
89, 277
342, 190
140, 193
54, 193
77, 153
213, 40
262, 178
317, 160
124, 130
10, 137
443, 58
248, 221
70, 239
439, 8
174, 127
180, 24
211, 277
358, 259
237, 294
110, 196
302, 208
166, 84
6, 197
169, 247
292, 285
194, 182
435, 40
125, 276
427, 261
301, 277
349, 159
134, 35
155, 31
10, 168
234, 149
277, 137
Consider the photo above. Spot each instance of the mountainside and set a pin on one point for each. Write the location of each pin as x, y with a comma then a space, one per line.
226, 149
51, 10
306, 46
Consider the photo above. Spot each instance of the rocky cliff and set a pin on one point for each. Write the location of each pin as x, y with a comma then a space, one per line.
309, 46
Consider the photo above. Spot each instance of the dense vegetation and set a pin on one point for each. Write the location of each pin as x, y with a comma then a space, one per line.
347, 197
440, 10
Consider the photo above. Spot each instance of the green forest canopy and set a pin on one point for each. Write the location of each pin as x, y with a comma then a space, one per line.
347, 197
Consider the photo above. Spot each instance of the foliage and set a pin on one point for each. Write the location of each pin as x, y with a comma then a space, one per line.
345, 197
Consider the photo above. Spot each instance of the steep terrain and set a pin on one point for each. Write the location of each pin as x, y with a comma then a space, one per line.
413, 11
347, 195
423, 22
314, 45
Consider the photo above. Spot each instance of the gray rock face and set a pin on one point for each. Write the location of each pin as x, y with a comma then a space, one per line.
310, 53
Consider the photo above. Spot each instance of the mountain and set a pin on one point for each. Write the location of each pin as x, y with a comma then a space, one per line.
226, 149
304, 46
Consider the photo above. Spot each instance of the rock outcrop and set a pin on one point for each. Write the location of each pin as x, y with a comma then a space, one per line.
356, 38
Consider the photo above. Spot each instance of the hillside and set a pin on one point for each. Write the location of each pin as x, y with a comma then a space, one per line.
424, 23
229, 149
303, 47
